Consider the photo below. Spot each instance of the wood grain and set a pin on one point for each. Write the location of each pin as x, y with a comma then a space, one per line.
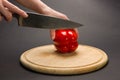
46, 59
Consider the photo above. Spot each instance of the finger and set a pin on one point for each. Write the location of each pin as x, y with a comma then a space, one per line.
57, 14
15, 9
52, 34
9, 13
76, 31
5, 12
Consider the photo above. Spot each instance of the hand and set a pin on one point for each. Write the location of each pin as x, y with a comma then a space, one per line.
7, 9
57, 14
42, 8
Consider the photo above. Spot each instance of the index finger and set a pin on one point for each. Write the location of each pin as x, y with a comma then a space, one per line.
14, 8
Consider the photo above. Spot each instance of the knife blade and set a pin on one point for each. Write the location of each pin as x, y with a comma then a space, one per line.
35, 20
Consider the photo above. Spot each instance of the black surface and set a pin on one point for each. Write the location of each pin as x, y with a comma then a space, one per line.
101, 19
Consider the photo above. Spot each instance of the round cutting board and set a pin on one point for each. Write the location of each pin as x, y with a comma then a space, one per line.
46, 59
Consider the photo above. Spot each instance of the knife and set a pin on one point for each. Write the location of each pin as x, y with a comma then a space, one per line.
35, 20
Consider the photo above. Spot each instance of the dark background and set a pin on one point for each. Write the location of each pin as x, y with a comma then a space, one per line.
101, 19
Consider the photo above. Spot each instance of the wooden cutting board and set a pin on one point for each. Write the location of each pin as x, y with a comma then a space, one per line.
46, 59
